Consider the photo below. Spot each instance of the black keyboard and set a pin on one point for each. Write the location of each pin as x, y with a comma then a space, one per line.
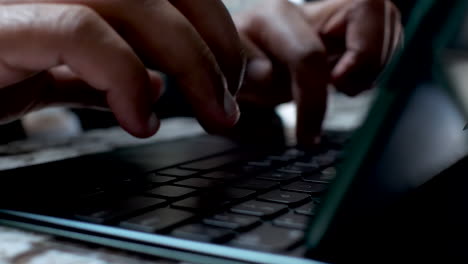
263, 202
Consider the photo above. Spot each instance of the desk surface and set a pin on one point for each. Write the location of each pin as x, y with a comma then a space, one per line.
17, 246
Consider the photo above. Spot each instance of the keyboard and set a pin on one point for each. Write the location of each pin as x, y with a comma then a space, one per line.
250, 200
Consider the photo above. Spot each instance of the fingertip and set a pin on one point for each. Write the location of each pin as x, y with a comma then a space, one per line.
231, 109
352, 75
344, 66
349, 76
155, 78
145, 129
258, 70
229, 114
136, 118
153, 125
157, 87
309, 142
219, 124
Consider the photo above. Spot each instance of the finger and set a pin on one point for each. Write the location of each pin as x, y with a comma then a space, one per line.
310, 88
37, 37
67, 88
259, 67
289, 39
366, 45
170, 42
166, 40
56, 87
264, 86
213, 22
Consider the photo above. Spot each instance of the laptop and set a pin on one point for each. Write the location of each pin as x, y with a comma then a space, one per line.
391, 191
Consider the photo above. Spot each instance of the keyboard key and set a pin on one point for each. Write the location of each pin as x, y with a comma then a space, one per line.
292, 221
268, 238
288, 198
203, 233
258, 208
170, 192
156, 178
114, 210
328, 158
212, 163
158, 220
232, 221
296, 153
307, 209
257, 185
234, 194
306, 187
278, 176
246, 170
92, 194
176, 172
198, 183
323, 160
338, 138
307, 166
198, 203
327, 175
280, 159
300, 168
261, 163
224, 196
221, 175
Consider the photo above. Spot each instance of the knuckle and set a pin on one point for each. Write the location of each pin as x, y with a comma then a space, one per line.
77, 19
257, 20
243, 21
262, 15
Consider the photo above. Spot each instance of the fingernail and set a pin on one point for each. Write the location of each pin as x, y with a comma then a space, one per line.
231, 108
153, 123
242, 76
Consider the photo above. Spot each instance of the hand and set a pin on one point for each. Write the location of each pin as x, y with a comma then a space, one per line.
295, 52
360, 37
93, 53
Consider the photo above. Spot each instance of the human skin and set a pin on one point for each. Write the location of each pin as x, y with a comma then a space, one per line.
296, 51
101, 53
